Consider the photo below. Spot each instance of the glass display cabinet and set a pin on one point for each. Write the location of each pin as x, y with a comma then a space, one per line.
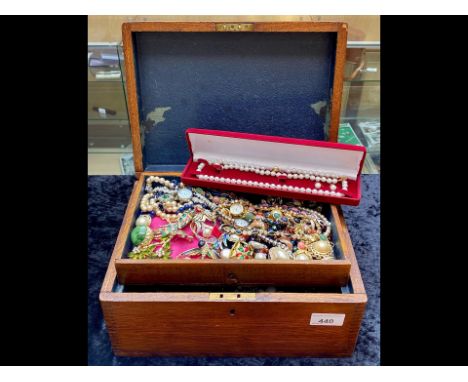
360, 108
109, 141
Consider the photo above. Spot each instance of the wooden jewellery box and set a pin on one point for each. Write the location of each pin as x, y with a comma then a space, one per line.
276, 79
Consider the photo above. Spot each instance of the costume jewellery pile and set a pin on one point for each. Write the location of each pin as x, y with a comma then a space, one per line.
226, 226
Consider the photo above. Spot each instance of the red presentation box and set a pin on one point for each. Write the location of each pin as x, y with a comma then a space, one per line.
321, 171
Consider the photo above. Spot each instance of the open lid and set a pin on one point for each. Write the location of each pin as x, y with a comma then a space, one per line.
182, 75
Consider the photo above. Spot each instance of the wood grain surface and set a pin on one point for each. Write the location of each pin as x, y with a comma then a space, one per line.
256, 328
232, 272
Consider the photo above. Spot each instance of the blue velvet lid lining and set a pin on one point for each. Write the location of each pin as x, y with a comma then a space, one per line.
264, 83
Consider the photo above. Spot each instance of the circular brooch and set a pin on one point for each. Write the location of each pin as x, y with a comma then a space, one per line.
321, 248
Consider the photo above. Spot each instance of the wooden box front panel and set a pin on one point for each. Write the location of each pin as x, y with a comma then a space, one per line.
231, 272
276, 324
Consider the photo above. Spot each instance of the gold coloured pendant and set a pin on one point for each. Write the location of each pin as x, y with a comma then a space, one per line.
322, 248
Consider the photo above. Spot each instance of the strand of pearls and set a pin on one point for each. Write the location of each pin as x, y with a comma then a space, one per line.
200, 166
171, 218
145, 204
272, 186
151, 179
162, 189
203, 199
293, 173
150, 203
344, 185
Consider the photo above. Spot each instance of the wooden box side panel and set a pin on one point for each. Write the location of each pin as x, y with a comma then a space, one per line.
194, 328
354, 274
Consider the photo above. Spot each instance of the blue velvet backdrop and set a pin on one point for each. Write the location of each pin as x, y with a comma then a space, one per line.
107, 201
265, 83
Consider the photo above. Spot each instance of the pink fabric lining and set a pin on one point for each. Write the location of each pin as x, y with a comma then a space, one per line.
178, 245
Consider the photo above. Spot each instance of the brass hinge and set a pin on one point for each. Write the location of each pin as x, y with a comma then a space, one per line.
232, 296
234, 27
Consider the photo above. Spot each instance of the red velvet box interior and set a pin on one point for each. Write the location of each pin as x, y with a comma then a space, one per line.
270, 151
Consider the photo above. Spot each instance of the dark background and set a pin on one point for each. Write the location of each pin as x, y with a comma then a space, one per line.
44, 261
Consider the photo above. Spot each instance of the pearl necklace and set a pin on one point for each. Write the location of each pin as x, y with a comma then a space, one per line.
290, 173
272, 186
167, 183
150, 203
203, 199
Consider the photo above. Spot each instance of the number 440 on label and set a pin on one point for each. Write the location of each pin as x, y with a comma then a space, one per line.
327, 319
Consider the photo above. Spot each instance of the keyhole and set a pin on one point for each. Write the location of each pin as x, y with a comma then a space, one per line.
232, 312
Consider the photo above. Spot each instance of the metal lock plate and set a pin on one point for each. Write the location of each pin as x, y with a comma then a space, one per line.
234, 27
231, 296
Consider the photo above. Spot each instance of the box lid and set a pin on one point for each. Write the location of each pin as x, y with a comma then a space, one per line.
281, 79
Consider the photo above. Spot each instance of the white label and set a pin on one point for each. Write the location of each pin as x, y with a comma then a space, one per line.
102, 112
327, 319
